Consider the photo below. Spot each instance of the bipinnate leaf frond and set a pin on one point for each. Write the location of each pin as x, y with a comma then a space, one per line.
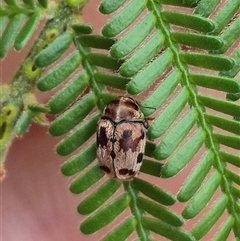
210, 124
170, 57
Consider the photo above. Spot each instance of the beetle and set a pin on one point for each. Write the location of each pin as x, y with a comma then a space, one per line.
121, 138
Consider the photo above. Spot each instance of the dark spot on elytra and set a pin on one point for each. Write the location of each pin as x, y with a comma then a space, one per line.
131, 172
102, 137
126, 171
112, 154
123, 171
127, 142
139, 157
127, 134
105, 169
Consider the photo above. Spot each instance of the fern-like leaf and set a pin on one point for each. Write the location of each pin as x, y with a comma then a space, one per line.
172, 57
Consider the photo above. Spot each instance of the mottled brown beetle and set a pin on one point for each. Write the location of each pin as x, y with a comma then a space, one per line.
121, 138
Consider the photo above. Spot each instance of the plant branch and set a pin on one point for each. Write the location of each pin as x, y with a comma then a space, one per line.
16, 97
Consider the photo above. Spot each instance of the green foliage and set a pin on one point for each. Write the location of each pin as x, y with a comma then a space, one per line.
23, 21
59, 74
54, 50
172, 57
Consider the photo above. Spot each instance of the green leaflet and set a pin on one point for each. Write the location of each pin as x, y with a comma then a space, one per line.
114, 81
225, 230
142, 56
79, 137
109, 6
80, 161
43, 3
233, 176
235, 192
23, 123
151, 167
128, 43
231, 141
82, 29
225, 124
230, 36
106, 215
161, 94
166, 230
196, 22
122, 20
197, 40
233, 96
37, 108
3, 20
196, 178
213, 62
12, 3
59, 74
227, 157
171, 141
9, 34
188, 3
154, 192
225, 15
29, 2
200, 200
149, 75
96, 41
202, 228
150, 147
160, 212
54, 50
26, 32
184, 155
226, 107
68, 94
170, 113
215, 82
234, 71
97, 198
86, 180
205, 7
122, 232
104, 61
73, 116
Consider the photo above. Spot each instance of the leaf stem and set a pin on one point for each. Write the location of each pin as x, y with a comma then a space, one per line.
143, 233
91, 71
